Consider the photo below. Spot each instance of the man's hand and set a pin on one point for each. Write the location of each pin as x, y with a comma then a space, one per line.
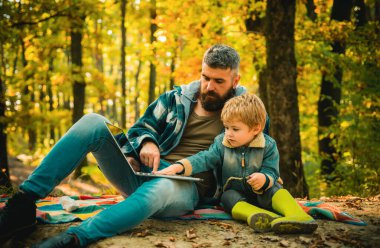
171, 170
150, 155
256, 180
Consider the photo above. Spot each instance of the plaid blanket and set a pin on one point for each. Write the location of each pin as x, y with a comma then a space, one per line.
50, 210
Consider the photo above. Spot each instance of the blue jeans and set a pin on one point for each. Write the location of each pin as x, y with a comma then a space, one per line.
159, 197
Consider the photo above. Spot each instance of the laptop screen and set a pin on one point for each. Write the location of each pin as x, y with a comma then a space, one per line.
121, 139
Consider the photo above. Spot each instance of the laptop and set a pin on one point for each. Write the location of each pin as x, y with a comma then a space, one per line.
120, 139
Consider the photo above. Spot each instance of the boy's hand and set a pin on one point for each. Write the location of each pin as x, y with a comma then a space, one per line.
150, 155
170, 170
256, 180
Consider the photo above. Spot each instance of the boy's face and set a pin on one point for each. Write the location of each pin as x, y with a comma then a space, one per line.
217, 86
239, 134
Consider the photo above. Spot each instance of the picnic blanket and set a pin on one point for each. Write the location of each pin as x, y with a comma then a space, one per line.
50, 210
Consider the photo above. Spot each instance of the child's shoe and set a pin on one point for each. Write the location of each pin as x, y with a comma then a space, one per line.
257, 218
295, 219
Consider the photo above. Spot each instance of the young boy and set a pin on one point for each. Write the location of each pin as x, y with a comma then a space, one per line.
247, 162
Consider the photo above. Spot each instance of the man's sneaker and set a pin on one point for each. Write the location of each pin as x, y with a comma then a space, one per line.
62, 240
19, 214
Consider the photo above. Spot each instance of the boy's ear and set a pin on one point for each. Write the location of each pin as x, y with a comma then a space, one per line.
256, 128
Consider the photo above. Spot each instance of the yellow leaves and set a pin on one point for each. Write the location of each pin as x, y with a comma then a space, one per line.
344, 124
367, 103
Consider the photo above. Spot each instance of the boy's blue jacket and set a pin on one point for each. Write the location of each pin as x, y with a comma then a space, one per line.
261, 155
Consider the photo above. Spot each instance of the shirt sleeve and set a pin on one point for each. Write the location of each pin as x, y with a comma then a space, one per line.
151, 125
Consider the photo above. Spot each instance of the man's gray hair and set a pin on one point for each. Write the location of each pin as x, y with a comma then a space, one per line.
222, 57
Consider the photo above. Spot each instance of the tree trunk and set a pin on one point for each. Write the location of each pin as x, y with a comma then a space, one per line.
281, 74
137, 92
377, 11
255, 24
78, 79
28, 96
330, 96
123, 54
4, 167
172, 70
99, 65
153, 73
50, 95
310, 8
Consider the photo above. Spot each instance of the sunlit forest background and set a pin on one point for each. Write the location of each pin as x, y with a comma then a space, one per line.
60, 59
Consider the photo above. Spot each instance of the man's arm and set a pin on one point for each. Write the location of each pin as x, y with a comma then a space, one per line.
144, 134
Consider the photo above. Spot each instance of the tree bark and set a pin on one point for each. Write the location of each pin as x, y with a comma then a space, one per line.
310, 8
99, 63
281, 74
28, 95
78, 79
172, 67
4, 167
255, 24
137, 92
49, 89
330, 97
152, 66
123, 54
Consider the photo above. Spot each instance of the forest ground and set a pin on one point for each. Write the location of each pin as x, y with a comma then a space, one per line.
211, 233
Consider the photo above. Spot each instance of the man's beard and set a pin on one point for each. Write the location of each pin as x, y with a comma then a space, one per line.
216, 102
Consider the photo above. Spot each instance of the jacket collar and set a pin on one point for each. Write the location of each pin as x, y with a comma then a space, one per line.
257, 142
192, 89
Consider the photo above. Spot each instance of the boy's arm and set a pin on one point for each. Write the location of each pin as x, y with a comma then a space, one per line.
269, 171
202, 161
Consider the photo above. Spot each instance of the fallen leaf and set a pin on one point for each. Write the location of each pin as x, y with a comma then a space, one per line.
229, 236
271, 238
190, 234
201, 245
159, 243
284, 243
143, 233
305, 240
226, 243
223, 225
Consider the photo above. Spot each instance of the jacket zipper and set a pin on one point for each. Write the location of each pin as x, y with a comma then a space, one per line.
243, 165
242, 160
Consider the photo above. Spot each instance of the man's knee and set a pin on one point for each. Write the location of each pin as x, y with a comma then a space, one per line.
93, 118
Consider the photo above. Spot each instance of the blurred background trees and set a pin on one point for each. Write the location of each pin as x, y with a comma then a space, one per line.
314, 63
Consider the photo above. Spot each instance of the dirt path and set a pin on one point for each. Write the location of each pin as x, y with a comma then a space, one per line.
196, 233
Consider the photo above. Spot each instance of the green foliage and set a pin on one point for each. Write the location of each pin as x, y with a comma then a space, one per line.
357, 140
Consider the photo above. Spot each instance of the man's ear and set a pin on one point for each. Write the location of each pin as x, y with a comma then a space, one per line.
236, 81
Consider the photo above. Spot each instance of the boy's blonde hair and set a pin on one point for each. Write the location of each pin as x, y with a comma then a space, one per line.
247, 108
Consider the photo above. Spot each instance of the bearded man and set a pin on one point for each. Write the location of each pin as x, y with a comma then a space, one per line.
178, 124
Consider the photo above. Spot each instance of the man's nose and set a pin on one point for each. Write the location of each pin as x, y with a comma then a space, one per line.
210, 85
